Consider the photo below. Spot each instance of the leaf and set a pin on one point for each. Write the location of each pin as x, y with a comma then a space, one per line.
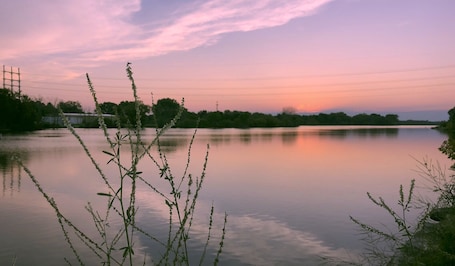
130, 212
127, 250
104, 194
109, 153
163, 171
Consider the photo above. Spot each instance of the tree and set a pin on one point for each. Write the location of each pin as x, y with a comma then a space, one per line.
127, 113
448, 146
392, 119
70, 107
108, 108
289, 110
165, 110
18, 113
451, 122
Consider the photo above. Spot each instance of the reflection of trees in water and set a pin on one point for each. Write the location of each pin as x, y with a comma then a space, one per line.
360, 132
289, 137
375, 132
11, 172
248, 137
170, 145
245, 137
266, 136
218, 139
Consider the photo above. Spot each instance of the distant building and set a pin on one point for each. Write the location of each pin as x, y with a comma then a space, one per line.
74, 118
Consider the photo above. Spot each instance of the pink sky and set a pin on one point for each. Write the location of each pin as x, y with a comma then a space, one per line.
253, 55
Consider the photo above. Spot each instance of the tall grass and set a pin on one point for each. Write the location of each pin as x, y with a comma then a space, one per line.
116, 246
427, 240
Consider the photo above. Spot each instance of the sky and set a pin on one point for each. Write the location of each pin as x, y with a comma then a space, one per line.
354, 56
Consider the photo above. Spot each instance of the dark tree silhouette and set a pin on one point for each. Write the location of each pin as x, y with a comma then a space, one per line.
165, 110
127, 113
108, 108
70, 107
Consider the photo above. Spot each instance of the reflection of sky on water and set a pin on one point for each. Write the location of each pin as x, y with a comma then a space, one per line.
250, 239
265, 241
288, 191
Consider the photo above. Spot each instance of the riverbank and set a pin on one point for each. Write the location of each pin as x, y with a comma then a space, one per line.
434, 244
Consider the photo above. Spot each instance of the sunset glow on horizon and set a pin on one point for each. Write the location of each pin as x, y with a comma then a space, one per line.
250, 55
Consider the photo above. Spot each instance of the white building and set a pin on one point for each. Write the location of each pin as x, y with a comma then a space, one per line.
73, 118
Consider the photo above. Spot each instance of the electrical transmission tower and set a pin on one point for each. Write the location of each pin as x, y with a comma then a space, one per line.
12, 78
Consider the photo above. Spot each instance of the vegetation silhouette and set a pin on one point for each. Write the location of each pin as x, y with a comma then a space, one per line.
21, 113
117, 229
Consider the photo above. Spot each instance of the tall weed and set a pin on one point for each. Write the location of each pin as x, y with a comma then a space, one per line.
116, 246
427, 240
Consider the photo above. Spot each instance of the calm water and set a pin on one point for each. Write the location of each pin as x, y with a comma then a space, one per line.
288, 191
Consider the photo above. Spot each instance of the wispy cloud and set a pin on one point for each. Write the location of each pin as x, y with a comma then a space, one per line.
63, 27
85, 32
207, 22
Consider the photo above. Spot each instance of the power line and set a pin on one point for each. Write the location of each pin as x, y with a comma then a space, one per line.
303, 92
270, 78
259, 87
310, 90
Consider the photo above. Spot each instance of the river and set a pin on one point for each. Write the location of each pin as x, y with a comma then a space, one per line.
288, 192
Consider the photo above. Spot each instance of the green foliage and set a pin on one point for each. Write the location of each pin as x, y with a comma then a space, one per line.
428, 241
437, 244
448, 146
165, 110
115, 246
451, 122
238, 119
435, 241
31, 113
108, 108
70, 107
382, 244
128, 111
20, 113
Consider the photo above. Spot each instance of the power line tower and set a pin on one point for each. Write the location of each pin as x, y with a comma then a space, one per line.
14, 79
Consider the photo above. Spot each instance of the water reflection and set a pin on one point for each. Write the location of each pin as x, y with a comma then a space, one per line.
170, 145
218, 139
288, 191
268, 241
251, 239
14, 174
245, 137
11, 173
361, 132
288, 136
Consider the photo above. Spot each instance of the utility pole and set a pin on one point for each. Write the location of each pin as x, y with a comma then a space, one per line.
14, 79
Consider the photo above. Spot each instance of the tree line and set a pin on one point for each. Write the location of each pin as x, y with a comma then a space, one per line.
21, 113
